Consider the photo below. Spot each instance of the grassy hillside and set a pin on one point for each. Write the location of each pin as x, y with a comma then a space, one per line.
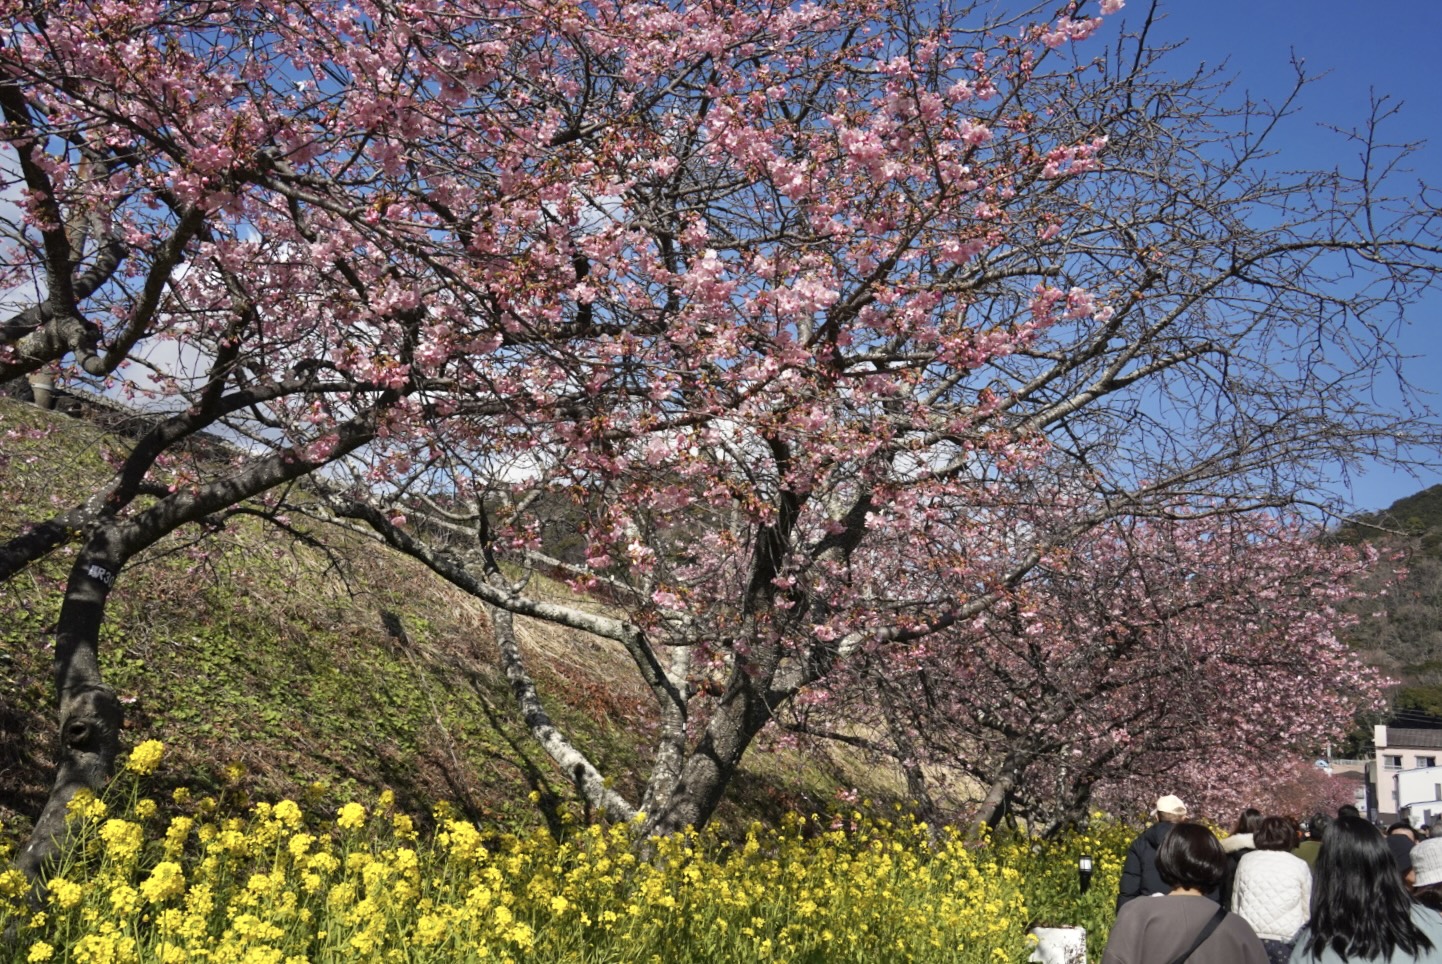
270, 667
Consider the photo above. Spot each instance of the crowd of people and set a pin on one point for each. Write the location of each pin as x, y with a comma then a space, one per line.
1337, 891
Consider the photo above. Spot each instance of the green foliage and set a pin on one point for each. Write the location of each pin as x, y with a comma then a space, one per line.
1425, 699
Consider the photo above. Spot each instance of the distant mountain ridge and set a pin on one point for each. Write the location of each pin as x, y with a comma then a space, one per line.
1418, 515
1400, 613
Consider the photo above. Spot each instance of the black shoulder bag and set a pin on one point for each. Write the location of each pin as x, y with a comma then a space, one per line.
1206, 932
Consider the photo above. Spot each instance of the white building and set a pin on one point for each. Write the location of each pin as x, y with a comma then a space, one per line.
1408, 778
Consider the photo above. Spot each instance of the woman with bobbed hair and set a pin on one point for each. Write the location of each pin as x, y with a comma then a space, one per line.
1184, 925
1273, 889
1361, 912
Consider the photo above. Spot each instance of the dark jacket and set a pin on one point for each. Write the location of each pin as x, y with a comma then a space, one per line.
1139, 873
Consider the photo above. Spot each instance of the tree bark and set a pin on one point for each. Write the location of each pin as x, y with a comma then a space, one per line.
998, 799
588, 781
90, 715
709, 767
671, 744
918, 791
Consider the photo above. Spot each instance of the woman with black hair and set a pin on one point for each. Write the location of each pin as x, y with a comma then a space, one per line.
1248, 822
1184, 925
1237, 845
1361, 912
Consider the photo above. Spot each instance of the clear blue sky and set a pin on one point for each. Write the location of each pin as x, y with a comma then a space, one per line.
1386, 46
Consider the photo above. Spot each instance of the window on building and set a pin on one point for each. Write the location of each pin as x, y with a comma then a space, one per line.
1426, 761
1390, 762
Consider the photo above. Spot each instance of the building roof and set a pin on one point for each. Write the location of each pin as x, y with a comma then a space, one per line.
1404, 737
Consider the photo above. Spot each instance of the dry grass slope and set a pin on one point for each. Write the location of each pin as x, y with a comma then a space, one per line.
271, 668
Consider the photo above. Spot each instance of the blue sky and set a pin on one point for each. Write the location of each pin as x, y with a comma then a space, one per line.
1386, 46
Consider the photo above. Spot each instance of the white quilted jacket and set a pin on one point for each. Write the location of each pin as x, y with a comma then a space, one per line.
1273, 893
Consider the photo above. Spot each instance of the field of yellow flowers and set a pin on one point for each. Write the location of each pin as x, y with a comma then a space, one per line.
280, 885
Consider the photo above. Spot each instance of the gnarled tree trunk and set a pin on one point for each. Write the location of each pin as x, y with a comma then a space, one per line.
90, 714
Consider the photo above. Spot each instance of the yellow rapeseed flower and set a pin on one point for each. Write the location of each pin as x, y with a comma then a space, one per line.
352, 817
13, 884
123, 839
63, 893
168, 953
288, 813
124, 900
166, 880
85, 806
430, 930
145, 757
300, 845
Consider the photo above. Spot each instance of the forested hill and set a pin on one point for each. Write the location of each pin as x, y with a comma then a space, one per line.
1407, 635
1418, 515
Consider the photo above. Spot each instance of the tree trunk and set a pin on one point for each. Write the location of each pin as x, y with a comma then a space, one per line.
587, 780
709, 768
671, 744
89, 712
42, 389
917, 788
998, 798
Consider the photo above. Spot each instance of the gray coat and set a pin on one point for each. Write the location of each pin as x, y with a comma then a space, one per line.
1154, 930
1426, 919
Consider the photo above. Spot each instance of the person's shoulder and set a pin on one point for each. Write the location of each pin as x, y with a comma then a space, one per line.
1280, 859
1238, 842
1157, 832
1268, 861
1297, 864
1429, 920
1139, 907
1244, 939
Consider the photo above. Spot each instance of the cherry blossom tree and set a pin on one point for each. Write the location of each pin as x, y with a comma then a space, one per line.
1195, 656
792, 303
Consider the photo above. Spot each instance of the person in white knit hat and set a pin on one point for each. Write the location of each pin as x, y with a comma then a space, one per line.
1427, 862
1139, 872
